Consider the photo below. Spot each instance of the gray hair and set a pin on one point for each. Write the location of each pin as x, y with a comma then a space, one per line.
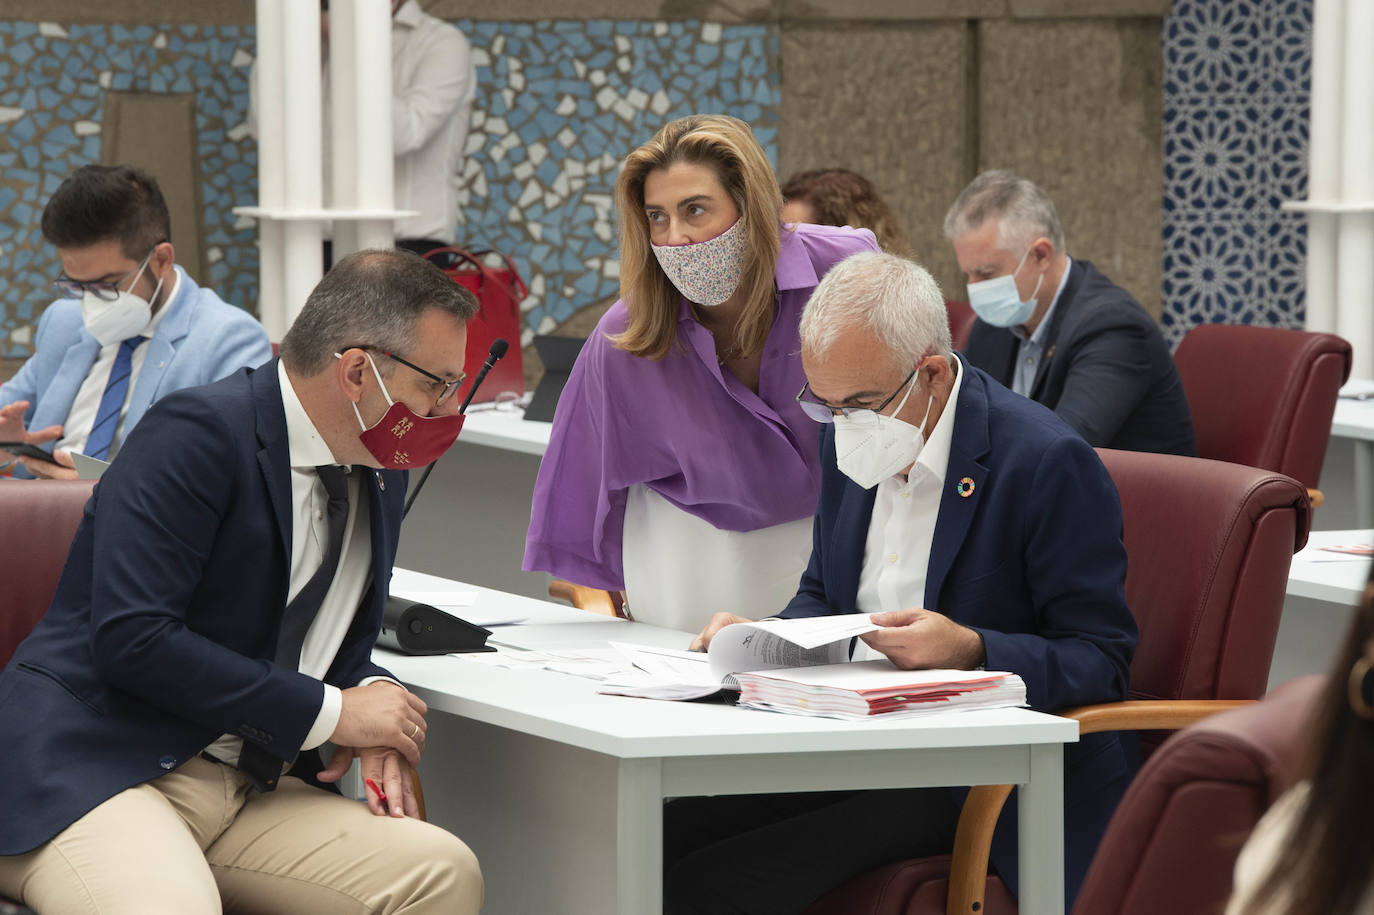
1024, 211
372, 298
893, 297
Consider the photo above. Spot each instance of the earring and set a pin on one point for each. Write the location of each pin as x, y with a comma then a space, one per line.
1357, 690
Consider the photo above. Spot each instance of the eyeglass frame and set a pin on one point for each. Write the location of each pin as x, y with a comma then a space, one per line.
450, 387
832, 411
103, 290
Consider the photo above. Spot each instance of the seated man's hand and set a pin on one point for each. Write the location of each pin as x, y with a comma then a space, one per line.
12, 426
382, 714
918, 639
717, 623
386, 767
64, 469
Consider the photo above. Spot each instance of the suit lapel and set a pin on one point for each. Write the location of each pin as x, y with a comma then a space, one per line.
162, 347
274, 456
847, 545
959, 503
1058, 321
56, 403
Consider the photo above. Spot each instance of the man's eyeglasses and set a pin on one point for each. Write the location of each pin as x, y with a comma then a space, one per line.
823, 412
447, 388
105, 290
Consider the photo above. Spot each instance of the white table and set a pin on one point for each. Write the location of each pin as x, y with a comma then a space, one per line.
1332, 577
1354, 419
505, 428
560, 791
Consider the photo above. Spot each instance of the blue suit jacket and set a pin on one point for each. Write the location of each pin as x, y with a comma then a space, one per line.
1033, 560
201, 339
166, 617
1107, 371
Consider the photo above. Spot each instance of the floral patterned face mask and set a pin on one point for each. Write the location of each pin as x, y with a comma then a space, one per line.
707, 272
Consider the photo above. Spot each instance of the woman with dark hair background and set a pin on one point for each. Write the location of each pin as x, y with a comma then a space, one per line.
1312, 851
839, 197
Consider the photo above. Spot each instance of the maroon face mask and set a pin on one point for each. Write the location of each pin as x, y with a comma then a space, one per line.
404, 440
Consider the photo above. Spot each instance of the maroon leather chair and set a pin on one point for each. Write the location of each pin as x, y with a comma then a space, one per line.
37, 522
1208, 547
961, 318
1263, 396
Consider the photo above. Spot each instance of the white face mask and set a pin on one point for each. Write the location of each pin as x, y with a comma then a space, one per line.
870, 447
707, 272
998, 302
125, 317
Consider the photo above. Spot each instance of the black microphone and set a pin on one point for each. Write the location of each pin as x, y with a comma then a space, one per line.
499, 346
494, 355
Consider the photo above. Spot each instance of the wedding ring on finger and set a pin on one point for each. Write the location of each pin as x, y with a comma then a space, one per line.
414, 729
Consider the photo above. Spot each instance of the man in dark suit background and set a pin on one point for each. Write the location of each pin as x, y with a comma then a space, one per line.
1056, 329
215, 619
984, 533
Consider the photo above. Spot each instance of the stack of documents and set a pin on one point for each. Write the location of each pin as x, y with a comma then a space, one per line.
864, 689
801, 666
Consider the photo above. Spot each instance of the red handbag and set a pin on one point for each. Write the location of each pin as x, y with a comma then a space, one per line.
499, 291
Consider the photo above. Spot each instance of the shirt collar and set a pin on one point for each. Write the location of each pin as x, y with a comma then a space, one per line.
794, 270
934, 457
305, 446
1043, 328
409, 15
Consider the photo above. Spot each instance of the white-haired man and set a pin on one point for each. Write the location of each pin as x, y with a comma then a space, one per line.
1058, 331
985, 532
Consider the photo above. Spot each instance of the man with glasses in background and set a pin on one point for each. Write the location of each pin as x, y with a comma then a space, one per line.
131, 325
983, 532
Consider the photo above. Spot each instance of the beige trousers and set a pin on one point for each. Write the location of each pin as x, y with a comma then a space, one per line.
200, 840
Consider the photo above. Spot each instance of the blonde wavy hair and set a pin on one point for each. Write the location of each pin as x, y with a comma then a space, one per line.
728, 146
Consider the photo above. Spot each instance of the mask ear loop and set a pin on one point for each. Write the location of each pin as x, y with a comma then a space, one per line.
389, 402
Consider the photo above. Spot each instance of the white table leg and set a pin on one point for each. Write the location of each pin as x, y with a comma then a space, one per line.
1040, 836
639, 837
1364, 483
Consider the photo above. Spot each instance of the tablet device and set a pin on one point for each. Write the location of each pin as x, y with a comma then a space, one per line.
558, 355
88, 468
24, 449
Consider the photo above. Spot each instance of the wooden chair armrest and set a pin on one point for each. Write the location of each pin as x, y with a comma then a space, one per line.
1148, 714
968, 867
595, 600
419, 791
1315, 497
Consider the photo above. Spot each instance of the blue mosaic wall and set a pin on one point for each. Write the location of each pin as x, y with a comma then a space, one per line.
1237, 77
558, 105
53, 80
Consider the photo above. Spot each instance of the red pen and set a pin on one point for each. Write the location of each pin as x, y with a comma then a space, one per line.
381, 795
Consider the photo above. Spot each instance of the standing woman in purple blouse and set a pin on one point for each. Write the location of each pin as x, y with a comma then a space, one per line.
681, 470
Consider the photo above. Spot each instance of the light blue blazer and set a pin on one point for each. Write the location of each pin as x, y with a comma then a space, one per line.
201, 339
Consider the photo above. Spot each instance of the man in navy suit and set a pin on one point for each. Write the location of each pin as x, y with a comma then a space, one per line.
131, 326
215, 621
983, 532
1058, 331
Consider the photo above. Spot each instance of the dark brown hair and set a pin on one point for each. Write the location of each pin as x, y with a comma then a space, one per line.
840, 197
1325, 858
108, 203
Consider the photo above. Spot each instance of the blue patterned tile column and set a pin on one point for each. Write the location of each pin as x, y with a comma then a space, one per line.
1236, 99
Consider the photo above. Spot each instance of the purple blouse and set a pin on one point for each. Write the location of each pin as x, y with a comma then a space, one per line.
685, 427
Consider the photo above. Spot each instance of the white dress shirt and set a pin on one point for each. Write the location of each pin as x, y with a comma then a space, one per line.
902, 528
81, 417
1032, 349
309, 536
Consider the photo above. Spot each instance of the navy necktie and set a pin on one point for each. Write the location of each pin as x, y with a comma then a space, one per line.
112, 401
262, 768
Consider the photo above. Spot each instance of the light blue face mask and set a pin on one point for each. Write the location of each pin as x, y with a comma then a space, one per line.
997, 301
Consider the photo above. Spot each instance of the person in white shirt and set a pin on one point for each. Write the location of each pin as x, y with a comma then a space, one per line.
131, 325
981, 531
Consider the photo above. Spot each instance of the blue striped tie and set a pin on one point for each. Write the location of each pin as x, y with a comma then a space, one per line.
112, 401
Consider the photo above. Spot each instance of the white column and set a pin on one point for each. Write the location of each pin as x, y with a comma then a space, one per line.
302, 126
343, 184
271, 165
1324, 151
372, 136
1355, 247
